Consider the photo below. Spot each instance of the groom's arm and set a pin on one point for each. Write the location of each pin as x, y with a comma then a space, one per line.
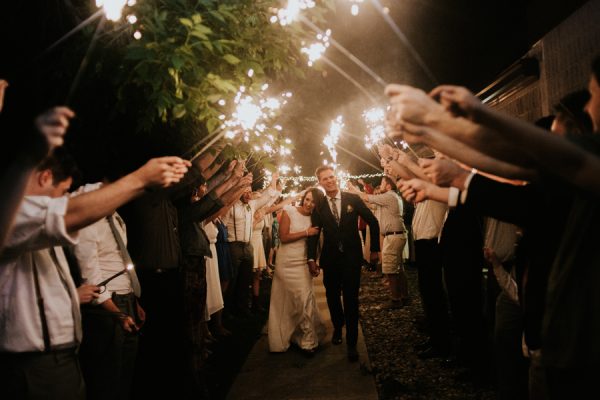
370, 219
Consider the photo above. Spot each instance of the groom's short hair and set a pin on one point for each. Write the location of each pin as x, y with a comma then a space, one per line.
321, 169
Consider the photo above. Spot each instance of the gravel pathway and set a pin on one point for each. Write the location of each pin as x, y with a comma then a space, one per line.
390, 336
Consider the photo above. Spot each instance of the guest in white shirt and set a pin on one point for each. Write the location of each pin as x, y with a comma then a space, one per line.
40, 322
239, 227
111, 323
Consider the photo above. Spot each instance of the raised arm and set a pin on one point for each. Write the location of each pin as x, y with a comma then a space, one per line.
87, 208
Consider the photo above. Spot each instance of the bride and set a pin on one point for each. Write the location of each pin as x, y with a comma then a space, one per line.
293, 313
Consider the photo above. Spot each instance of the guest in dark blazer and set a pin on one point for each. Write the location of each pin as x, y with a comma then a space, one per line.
341, 256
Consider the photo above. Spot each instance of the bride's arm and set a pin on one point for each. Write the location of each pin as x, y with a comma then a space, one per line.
287, 237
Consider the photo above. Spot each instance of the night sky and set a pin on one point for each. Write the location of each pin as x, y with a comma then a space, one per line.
466, 42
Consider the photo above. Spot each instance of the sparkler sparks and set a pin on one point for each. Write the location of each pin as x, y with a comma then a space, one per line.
290, 13
332, 138
113, 9
354, 8
316, 50
374, 119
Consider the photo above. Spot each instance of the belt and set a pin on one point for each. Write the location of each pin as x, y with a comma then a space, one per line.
394, 233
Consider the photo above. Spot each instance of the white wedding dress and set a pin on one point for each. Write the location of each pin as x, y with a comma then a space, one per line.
293, 313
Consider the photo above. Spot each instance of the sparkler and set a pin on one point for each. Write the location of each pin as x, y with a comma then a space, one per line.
125, 270
291, 12
316, 50
344, 51
113, 9
332, 138
349, 78
85, 61
404, 40
374, 119
73, 31
354, 8
359, 158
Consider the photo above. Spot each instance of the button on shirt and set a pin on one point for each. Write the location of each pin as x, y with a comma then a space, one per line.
99, 257
390, 211
428, 219
39, 224
239, 218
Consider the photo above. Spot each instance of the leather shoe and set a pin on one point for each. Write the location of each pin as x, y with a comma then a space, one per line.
352, 354
337, 336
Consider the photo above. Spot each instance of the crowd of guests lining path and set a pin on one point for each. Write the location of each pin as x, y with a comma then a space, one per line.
78, 286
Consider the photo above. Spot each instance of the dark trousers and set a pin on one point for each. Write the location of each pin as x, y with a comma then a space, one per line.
161, 361
511, 366
242, 260
462, 259
433, 293
194, 306
343, 278
108, 352
49, 376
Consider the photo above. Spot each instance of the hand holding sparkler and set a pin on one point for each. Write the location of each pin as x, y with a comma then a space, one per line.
53, 124
457, 100
87, 293
444, 172
162, 171
102, 285
409, 105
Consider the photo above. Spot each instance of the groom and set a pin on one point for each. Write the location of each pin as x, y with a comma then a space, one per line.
341, 257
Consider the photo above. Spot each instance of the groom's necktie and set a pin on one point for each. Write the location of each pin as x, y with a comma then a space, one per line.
336, 215
135, 283
334, 210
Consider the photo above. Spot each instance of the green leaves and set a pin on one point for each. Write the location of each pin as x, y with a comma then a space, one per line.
194, 53
231, 59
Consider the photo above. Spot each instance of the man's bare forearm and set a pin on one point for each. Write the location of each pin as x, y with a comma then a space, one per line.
88, 208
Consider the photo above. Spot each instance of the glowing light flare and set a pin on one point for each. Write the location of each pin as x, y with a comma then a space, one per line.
132, 19
113, 9
375, 120
354, 8
316, 50
137, 35
332, 138
247, 113
287, 15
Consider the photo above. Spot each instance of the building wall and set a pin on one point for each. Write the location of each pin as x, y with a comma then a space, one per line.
564, 54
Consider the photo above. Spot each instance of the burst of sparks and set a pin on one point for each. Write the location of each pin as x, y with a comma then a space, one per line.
332, 138
374, 119
316, 50
113, 9
355, 8
287, 15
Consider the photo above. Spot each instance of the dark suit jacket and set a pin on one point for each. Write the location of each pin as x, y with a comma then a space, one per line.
346, 233
542, 210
